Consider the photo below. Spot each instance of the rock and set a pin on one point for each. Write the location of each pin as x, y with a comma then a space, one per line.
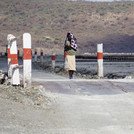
128, 77
78, 74
114, 76
95, 77
89, 77
84, 76
3, 78
57, 70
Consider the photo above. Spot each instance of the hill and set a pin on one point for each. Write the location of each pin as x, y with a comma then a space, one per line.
48, 21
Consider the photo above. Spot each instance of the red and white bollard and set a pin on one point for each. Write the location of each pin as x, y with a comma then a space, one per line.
35, 55
53, 60
9, 56
14, 61
100, 59
41, 56
65, 62
27, 65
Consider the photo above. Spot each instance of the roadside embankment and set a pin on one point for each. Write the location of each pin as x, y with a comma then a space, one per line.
82, 72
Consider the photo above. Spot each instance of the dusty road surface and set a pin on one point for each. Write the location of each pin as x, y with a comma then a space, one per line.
77, 106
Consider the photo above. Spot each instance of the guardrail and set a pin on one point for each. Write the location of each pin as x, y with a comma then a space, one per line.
107, 57
90, 57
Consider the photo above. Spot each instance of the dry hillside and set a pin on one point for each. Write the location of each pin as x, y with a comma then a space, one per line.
48, 21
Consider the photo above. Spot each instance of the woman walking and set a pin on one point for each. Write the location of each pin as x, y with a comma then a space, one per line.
70, 48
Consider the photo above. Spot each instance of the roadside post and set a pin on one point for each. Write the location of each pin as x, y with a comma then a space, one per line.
9, 56
100, 59
41, 56
35, 55
27, 64
14, 61
65, 61
53, 60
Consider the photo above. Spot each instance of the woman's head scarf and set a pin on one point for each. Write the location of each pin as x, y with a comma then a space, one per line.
73, 42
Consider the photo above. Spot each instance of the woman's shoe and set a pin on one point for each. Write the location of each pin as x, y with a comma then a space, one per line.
72, 78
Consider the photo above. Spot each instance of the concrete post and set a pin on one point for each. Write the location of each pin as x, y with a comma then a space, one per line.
53, 60
41, 56
65, 62
9, 57
100, 59
27, 65
14, 61
35, 55
3, 53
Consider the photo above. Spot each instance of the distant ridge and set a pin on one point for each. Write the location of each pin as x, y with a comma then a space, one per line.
48, 21
100, 0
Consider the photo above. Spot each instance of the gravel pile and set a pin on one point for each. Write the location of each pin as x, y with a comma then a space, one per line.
35, 96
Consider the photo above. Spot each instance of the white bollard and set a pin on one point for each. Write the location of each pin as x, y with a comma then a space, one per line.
27, 65
41, 56
100, 59
65, 62
14, 61
35, 55
53, 60
3, 54
9, 57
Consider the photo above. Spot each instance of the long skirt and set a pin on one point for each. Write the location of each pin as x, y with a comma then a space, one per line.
71, 62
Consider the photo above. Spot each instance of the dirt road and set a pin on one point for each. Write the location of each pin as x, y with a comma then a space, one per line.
75, 107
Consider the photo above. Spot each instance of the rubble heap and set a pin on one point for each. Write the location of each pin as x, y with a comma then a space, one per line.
34, 95
3, 77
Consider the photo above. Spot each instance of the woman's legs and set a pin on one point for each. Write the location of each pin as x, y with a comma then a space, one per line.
71, 74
